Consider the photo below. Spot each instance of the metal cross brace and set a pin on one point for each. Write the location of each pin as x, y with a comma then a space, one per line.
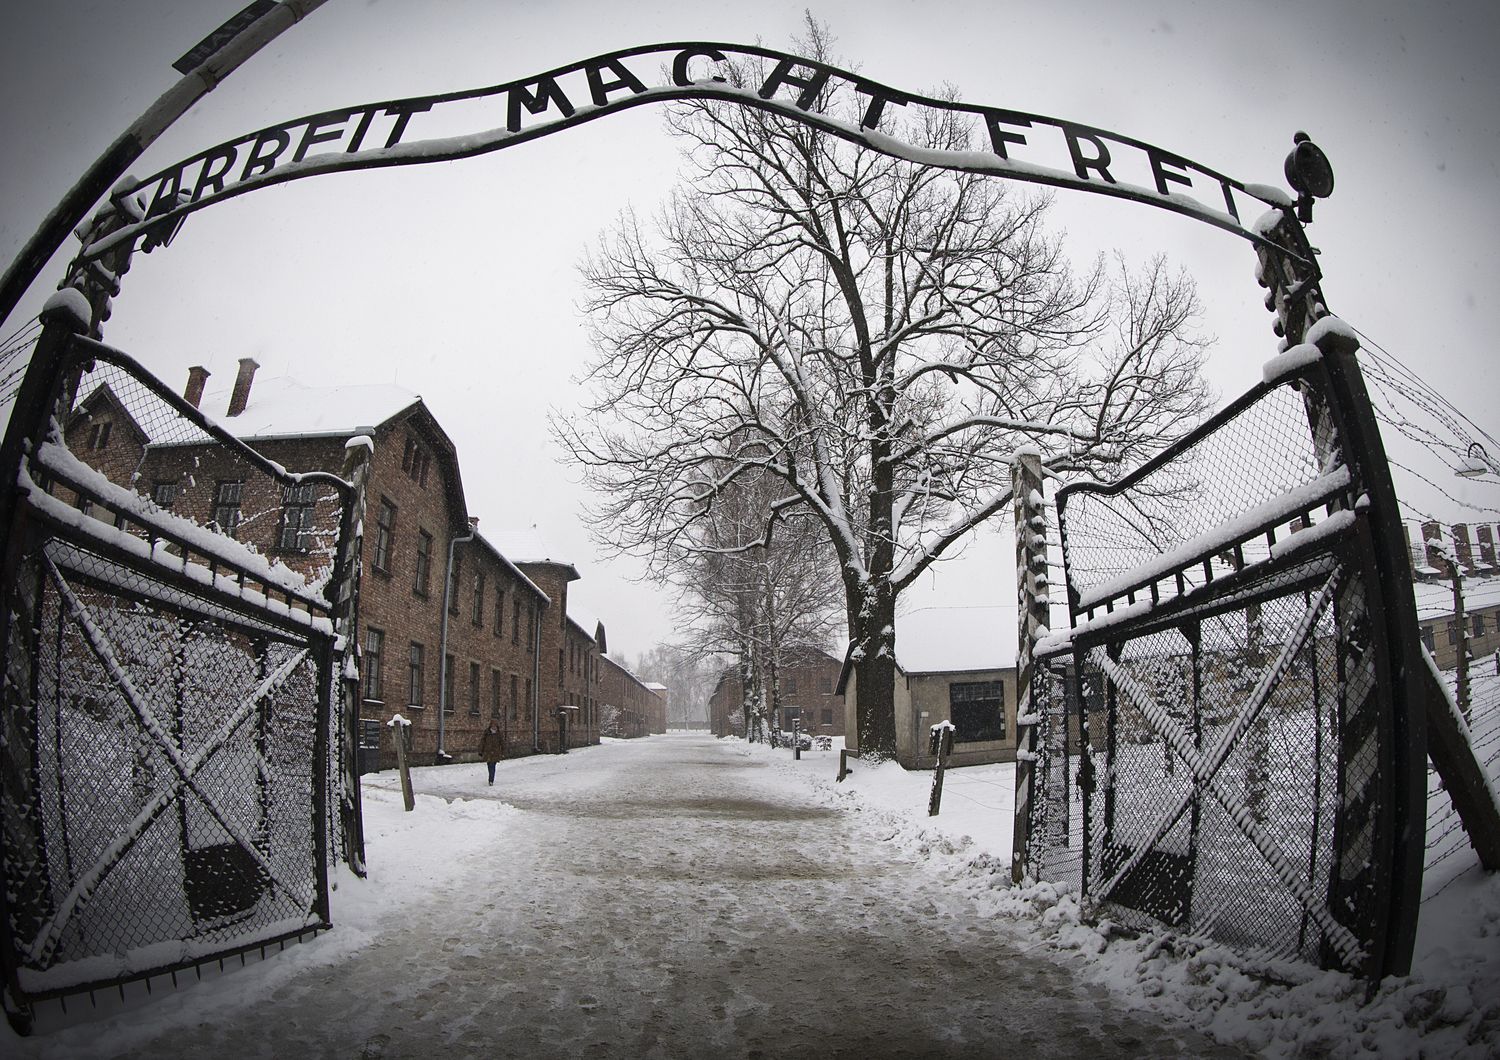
186, 769
1205, 768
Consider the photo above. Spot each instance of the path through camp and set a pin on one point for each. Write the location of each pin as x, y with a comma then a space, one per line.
669, 897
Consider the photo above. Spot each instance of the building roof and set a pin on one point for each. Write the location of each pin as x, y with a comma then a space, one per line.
508, 565
281, 407
955, 639
1435, 599
527, 546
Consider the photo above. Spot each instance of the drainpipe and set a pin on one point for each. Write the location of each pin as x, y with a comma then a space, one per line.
536, 681
453, 543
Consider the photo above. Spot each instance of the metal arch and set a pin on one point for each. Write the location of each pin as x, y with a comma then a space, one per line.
797, 88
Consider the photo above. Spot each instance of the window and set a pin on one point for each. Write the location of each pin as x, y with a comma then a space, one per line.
499, 609
424, 562
476, 614
791, 682
414, 682
227, 497
99, 435
1453, 632
789, 716
447, 684
515, 703
828, 682
827, 715
495, 692
977, 710
531, 629
474, 689
163, 494
562, 658
515, 621
1478, 625
297, 505
374, 645
455, 579
1428, 641
385, 535
528, 691
414, 460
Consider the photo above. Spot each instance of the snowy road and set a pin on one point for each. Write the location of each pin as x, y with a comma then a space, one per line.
672, 897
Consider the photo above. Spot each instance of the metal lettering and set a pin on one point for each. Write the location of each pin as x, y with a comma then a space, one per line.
402, 114
811, 86
547, 93
1081, 163
998, 136
1159, 161
260, 161
216, 164
680, 64
314, 133
600, 88
879, 97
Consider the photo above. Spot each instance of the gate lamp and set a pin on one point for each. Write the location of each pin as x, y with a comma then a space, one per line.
1475, 463
1309, 173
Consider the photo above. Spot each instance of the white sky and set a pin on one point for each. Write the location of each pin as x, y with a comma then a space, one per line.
459, 279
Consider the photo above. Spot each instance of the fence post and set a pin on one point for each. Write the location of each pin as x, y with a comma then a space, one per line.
399, 727
345, 713
1032, 600
942, 746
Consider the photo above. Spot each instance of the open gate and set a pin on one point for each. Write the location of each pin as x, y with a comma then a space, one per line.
1236, 700
169, 734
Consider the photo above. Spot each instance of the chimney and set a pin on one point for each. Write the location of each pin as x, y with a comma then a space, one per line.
197, 376
241, 396
1432, 532
1486, 545
1465, 550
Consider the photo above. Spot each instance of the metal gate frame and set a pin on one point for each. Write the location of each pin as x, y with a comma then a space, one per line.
1367, 917
314, 627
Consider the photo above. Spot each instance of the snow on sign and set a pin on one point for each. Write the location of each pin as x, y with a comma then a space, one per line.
1003, 142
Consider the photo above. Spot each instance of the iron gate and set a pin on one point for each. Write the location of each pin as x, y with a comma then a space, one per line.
1232, 704
170, 669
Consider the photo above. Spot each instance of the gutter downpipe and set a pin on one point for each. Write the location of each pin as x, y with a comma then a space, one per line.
536, 679
453, 543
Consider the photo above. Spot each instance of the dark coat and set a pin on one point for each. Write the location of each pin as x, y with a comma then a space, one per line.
491, 746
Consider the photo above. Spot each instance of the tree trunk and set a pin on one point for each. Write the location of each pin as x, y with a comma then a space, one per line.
873, 630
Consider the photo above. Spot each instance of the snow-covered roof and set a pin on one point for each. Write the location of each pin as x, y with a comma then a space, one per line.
510, 566
654, 686
954, 639
527, 546
281, 407
1435, 599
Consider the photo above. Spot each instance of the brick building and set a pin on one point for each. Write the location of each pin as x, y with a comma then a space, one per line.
1475, 549
808, 679
448, 615
629, 706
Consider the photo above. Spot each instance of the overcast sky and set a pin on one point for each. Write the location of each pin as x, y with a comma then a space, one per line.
459, 280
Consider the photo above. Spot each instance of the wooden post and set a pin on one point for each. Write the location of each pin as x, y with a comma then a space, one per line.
399, 727
942, 746
1452, 754
844, 769
1033, 601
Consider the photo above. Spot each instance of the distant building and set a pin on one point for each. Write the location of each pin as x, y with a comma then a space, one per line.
952, 664
1475, 550
808, 679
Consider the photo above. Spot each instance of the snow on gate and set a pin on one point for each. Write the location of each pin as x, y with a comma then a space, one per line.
1218, 741
168, 728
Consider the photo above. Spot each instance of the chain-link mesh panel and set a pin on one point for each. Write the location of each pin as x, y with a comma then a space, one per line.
173, 769
168, 713
1216, 811
1055, 850
1205, 512
1226, 666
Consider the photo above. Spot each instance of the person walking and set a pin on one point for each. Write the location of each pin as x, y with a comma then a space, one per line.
491, 749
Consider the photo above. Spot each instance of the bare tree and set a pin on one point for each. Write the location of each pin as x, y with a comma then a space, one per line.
876, 337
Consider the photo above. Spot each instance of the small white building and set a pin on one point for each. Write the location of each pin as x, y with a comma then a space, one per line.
953, 664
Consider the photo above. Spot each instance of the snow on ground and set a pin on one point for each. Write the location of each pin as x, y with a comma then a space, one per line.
1449, 1006
625, 900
